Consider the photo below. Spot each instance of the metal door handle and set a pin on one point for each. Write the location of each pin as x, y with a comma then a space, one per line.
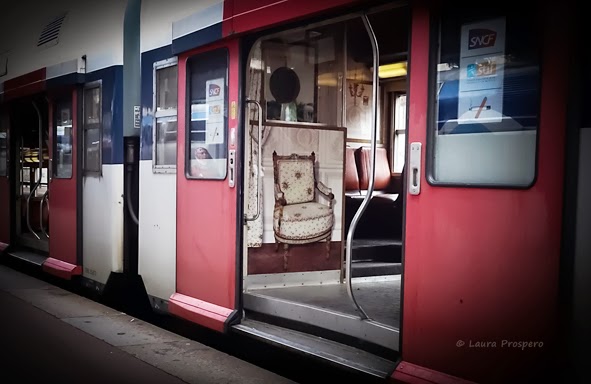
414, 182
231, 167
260, 160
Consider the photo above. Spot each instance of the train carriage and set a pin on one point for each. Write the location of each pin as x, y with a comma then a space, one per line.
380, 185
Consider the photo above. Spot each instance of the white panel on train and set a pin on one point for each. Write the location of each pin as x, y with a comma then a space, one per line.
94, 29
157, 231
158, 17
102, 223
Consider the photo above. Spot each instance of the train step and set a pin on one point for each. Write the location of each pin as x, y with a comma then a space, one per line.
373, 268
30, 256
335, 353
379, 250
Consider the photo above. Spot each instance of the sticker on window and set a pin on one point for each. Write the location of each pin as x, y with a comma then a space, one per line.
214, 99
481, 72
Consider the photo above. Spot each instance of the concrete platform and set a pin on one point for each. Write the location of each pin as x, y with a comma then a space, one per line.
52, 335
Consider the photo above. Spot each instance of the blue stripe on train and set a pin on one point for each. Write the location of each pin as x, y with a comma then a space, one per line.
112, 101
112, 87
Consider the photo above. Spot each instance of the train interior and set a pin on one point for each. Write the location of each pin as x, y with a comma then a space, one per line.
30, 164
314, 85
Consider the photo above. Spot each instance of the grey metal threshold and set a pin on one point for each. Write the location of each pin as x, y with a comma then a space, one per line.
28, 256
29, 241
330, 351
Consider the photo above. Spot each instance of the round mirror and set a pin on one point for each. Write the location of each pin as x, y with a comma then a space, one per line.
284, 84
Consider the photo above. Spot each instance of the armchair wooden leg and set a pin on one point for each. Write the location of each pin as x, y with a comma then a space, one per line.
327, 248
285, 253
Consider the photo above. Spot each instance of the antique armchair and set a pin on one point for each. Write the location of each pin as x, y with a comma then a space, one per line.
297, 217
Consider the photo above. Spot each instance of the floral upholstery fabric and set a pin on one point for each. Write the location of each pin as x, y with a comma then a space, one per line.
302, 221
296, 180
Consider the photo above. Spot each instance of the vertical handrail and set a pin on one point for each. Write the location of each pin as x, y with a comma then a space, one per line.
40, 156
374, 115
43, 200
259, 160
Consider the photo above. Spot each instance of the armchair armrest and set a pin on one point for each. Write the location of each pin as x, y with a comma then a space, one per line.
279, 197
324, 190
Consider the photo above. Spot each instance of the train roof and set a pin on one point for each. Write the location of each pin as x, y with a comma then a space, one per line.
55, 36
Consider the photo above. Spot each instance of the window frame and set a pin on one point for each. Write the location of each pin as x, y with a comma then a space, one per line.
91, 85
187, 117
432, 91
158, 65
56, 109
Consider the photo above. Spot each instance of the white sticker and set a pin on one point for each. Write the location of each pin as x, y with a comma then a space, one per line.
214, 99
137, 116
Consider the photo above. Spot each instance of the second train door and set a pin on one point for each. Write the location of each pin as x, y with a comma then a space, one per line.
484, 183
63, 186
206, 192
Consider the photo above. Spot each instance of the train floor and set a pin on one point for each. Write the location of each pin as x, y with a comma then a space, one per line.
379, 297
52, 335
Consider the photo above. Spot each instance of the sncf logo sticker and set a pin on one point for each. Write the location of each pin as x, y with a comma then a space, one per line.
481, 38
214, 90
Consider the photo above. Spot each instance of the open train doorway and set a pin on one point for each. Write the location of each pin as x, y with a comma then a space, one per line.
314, 126
29, 125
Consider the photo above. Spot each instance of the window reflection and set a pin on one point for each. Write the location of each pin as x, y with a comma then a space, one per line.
63, 141
208, 95
298, 75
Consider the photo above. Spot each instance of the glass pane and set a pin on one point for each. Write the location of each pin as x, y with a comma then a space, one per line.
166, 141
92, 105
166, 88
3, 144
207, 152
302, 72
487, 99
63, 141
399, 145
399, 135
92, 159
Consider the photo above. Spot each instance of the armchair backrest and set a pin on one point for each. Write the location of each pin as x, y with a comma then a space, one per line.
294, 177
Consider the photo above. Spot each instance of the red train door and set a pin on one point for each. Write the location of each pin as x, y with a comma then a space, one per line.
206, 193
4, 181
484, 190
63, 187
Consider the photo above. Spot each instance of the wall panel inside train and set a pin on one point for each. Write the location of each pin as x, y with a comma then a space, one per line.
485, 179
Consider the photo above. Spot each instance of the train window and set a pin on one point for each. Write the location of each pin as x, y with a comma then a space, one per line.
208, 115
399, 131
92, 129
485, 115
165, 115
3, 144
63, 140
299, 74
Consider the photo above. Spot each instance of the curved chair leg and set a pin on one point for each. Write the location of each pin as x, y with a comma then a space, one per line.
327, 248
285, 253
